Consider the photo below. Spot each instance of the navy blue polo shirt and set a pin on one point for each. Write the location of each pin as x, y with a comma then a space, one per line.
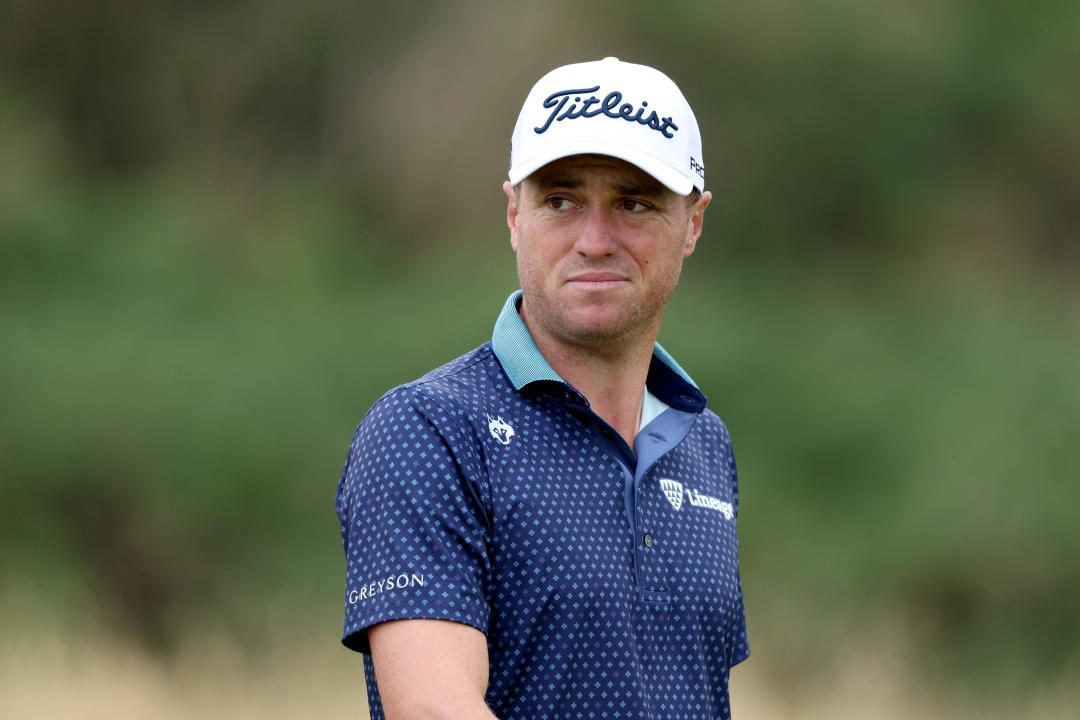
605, 578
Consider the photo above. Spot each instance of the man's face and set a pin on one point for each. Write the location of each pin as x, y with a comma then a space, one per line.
600, 245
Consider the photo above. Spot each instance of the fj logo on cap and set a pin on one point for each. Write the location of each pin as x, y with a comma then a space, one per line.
609, 106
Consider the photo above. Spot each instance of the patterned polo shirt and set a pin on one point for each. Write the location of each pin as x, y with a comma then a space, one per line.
604, 577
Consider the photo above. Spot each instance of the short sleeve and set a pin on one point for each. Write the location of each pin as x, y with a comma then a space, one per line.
413, 520
738, 640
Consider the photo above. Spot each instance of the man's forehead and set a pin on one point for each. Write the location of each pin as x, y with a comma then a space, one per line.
578, 170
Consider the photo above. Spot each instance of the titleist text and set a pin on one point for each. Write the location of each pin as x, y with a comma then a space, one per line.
610, 106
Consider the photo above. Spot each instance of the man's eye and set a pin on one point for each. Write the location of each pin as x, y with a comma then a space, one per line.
633, 206
558, 203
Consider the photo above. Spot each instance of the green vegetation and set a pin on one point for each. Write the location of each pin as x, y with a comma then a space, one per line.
224, 232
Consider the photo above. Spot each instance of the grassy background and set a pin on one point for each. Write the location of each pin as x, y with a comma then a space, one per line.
226, 229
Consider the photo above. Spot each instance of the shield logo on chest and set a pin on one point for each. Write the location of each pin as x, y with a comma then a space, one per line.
673, 491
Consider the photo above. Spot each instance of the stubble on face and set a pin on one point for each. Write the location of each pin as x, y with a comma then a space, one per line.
646, 249
604, 326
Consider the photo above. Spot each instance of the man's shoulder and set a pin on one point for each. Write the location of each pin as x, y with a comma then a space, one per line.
709, 417
462, 371
449, 388
711, 423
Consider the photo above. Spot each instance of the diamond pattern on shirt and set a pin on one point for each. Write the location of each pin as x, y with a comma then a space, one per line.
538, 543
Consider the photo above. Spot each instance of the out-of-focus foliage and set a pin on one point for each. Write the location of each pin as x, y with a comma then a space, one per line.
226, 228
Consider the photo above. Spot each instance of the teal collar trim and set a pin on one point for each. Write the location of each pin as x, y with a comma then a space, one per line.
521, 359
517, 352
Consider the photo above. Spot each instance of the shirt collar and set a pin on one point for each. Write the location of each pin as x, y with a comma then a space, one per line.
524, 364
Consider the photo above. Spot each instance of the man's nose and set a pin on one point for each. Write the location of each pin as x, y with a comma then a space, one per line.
598, 233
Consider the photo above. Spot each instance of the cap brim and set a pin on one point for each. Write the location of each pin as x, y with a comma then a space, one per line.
670, 178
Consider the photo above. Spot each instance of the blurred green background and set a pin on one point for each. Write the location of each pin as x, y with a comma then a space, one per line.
226, 228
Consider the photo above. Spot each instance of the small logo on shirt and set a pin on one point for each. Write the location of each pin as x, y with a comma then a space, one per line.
673, 491
500, 429
382, 585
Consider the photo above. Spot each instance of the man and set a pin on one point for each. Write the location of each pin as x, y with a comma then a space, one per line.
545, 527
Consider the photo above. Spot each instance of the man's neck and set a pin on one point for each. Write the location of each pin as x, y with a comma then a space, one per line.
612, 377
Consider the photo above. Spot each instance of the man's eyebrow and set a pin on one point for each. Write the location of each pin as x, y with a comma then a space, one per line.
642, 190
561, 181
650, 190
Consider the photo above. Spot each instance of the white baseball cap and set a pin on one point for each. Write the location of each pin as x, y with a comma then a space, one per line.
609, 107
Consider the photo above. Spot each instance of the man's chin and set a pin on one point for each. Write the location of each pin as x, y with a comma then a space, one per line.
600, 327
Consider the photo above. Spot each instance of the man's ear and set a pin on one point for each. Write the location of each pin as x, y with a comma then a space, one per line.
511, 212
695, 222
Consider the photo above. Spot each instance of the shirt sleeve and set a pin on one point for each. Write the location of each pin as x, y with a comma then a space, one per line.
739, 641
413, 519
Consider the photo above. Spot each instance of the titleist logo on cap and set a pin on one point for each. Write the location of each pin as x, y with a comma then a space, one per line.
643, 120
610, 106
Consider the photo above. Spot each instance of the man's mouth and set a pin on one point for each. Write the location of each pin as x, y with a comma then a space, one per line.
597, 280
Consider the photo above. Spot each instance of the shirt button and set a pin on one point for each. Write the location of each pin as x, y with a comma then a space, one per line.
647, 540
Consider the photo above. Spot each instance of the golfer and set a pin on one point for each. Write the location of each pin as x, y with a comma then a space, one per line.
545, 527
